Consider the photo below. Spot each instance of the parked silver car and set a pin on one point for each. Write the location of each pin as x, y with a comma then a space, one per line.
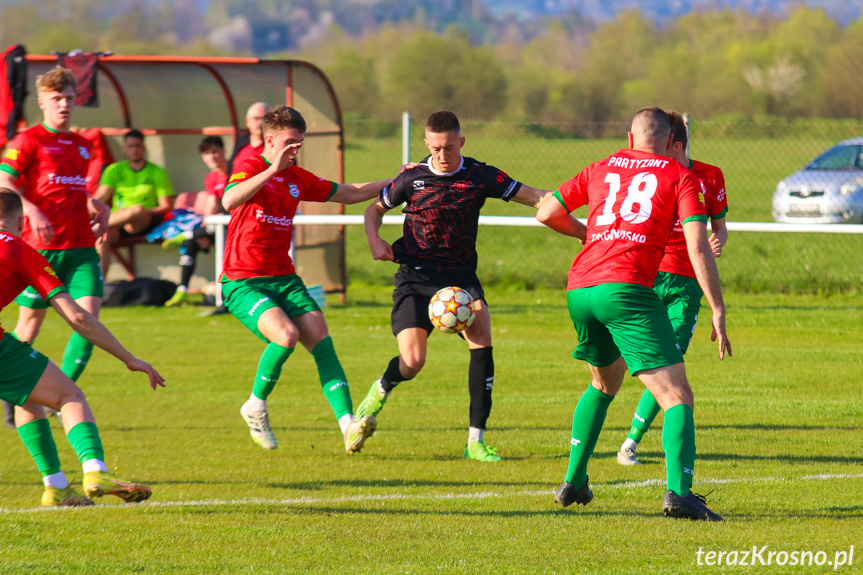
827, 191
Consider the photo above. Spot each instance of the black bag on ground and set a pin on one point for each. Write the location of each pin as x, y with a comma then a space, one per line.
139, 291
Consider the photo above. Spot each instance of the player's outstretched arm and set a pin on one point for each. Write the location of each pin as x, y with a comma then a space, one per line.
719, 237
701, 256
91, 329
372, 220
356, 193
551, 213
533, 197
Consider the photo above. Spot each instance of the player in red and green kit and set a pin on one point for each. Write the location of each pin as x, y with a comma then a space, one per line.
634, 197
47, 165
676, 284
29, 378
260, 286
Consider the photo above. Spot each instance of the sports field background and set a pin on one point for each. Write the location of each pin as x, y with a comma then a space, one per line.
777, 426
753, 158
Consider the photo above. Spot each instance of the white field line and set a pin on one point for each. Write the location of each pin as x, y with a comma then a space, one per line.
441, 496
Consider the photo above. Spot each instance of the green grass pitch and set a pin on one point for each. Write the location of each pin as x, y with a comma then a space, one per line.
778, 435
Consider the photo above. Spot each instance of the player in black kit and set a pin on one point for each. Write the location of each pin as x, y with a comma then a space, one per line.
442, 197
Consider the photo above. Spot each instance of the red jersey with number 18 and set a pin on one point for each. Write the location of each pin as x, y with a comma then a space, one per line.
712, 182
634, 199
261, 229
22, 266
54, 168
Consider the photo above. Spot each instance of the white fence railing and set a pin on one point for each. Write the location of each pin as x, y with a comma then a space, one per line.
221, 221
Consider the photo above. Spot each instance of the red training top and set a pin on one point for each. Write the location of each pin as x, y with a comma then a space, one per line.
53, 166
22, 266
214, 183
676, 259
634, 199
261, 229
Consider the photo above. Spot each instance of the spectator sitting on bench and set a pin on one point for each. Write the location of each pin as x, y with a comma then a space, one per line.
212, 149
139, 192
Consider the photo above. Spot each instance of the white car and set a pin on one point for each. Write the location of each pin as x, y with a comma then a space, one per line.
827, 191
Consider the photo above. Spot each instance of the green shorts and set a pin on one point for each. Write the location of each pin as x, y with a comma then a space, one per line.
21, 366
248, 298
78, 269
681, 296
622, 319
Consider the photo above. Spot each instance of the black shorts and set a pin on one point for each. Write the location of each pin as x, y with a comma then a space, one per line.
154, 223
414, 289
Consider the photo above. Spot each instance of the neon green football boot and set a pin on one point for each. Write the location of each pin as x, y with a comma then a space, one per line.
67, 497
358, 431
479, 451
373, 402
179, 298
99, 483
175, 242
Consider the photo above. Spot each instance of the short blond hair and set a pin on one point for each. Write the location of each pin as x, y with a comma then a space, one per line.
56, 80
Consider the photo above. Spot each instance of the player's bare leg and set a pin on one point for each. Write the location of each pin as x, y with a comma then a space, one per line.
133, 220
56, 391
413, 344
480, 384
668, 385
29, 323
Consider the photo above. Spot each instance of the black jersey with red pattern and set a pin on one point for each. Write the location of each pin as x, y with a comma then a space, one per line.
442, 212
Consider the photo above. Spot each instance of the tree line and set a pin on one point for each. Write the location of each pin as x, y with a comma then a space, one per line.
720, 64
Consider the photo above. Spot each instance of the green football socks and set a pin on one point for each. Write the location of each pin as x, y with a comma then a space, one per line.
334, 383
678, 441
645, 413
269, 369
84, 439
586, 425
76, 356
37, 437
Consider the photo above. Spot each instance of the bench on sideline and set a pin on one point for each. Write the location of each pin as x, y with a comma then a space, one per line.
124, 250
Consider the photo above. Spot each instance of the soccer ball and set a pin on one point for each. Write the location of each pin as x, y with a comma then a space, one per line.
451, 310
